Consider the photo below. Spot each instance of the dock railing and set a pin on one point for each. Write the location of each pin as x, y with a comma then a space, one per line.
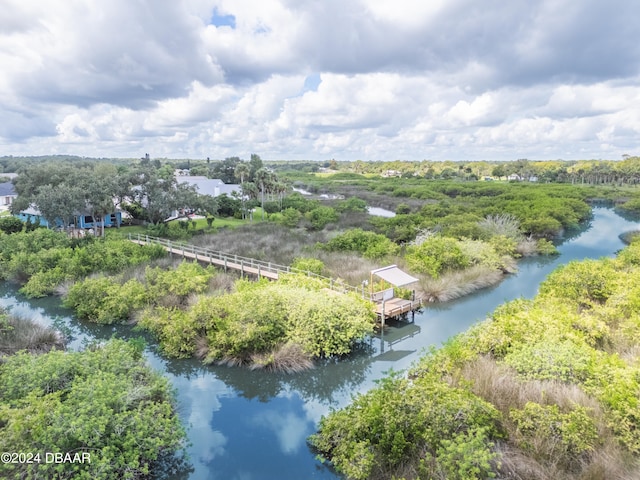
244, 264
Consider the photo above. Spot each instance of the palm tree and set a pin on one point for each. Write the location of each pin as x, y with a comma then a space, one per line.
262, 177
242, 170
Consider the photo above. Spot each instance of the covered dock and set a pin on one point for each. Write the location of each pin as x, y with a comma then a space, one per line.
388, 305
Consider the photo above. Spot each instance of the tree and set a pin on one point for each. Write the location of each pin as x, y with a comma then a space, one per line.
262, 177
161, 197
242, 171
10, 225
499, 171
225, 170
101, 187
55, 203
255, 164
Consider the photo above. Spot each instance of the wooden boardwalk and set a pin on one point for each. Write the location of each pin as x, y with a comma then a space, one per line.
244, 265
250, 266
233, 262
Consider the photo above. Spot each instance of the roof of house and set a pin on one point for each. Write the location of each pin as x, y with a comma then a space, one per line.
208, 186
7, 190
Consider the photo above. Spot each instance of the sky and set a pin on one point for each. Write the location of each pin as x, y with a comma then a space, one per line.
316, 80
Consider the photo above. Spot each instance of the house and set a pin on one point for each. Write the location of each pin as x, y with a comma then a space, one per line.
391, 173
514, 176
82, 220
209, 186
7, 194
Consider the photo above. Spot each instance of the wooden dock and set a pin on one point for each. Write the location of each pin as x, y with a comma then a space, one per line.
393, 307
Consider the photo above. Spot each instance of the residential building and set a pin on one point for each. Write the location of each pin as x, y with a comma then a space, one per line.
7, 194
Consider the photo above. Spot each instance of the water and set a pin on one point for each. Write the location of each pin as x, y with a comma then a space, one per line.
247, 425
380, 212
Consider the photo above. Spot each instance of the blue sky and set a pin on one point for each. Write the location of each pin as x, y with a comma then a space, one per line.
302, 79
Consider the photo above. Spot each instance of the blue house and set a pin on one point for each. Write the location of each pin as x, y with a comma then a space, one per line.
82, 220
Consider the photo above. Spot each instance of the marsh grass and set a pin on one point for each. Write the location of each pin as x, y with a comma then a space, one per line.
287, 358
501, 386
281, 245
456, 284
501, 224
263, 241
24, 334
527, 247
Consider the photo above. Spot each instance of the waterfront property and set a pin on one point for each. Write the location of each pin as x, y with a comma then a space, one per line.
387, 304
82, 220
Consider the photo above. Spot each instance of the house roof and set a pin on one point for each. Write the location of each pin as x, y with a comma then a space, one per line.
208, 186
394, 276
7, 190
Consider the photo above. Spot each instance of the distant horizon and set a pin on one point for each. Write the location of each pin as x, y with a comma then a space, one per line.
267, 160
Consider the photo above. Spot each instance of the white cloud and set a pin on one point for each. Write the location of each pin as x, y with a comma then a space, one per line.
441, 80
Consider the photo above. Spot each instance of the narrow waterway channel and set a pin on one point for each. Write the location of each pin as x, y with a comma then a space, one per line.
246, 425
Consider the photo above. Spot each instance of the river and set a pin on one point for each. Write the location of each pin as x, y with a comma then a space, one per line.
246, 425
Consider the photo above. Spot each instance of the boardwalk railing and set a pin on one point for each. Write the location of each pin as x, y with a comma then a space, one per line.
243, 264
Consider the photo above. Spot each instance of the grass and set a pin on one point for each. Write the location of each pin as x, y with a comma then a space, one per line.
288, 358
201, 225
18, 334
501, 386
456, 284
281, 245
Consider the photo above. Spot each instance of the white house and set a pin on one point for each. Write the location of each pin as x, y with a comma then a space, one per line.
209, 186
7, 194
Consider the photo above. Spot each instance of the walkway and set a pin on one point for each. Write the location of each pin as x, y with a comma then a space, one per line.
392, 308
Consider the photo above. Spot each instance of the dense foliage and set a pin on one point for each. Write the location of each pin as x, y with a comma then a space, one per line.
42, 259
109, 300
104, 402
369, 244
259, 317
546, 388
255, 318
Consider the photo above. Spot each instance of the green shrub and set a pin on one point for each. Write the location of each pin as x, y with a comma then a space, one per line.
11, 225
328, 324
320, 217
188, 278
43, 269
393, 423
103, 300
173, 327
352, 204
290, 217
482, 253
551, 359
312, 265
467, 456
586, 282
104, 401
369, 244
436, 255
549, 434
